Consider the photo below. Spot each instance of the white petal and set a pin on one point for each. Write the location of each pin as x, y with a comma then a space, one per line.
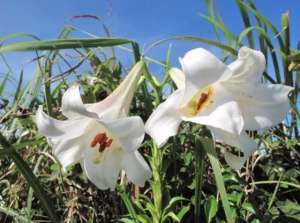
129, 131
165, 120
117, 104
72, 105
223, 112
104, 174
201, 69
248, 67
51, 127
178, 77
70, 151
136, 168
242, 142
263, 105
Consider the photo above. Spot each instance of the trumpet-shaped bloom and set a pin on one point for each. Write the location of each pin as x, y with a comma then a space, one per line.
227, 99
100, 136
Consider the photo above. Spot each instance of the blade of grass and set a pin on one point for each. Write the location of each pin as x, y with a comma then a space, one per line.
18, 90
274, 193
48, 68
286, 31
247, 24
17, 35
199, 171
297, 186
269, 43
217, 44
16, 216
208, 145
219, 25
265, 21
211, 13
4, 82
262, 43
63, 44
31, 179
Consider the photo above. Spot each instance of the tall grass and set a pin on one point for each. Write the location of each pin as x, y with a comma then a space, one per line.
33, 187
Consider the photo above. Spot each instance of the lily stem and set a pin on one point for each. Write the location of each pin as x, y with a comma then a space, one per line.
199, 171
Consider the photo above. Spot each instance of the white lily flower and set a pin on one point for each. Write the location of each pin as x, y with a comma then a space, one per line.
99, 135
227, 99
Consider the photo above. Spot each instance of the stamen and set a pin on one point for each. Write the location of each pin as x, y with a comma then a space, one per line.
99, 137
201, 101
108, 142
103, 141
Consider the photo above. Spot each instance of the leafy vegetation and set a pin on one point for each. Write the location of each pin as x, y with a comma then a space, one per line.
34, 188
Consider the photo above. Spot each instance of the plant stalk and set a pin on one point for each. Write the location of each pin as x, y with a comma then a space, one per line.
199, 171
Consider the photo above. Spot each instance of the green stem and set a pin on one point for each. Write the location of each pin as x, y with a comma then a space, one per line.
156, 184
199, 170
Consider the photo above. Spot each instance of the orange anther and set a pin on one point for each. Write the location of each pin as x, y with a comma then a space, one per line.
108, 142
103, 141
99, 138
202, 100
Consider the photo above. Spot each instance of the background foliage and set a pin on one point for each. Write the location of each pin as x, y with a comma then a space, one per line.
34, 188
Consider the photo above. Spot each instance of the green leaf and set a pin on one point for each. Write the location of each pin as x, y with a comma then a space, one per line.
16, 35
63, 44
264, 20
127, 201
228, 34
217, 44
172, 203
30, 178
211, 208
247, 24
4, 82
208, 145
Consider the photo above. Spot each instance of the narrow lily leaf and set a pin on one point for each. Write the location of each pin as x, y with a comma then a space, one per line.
22, 166
4, 81
228, 34
211, 208
125, 198
269, 43
63, 44
217, 44
209, 42
262, 43
208, 145
18, 90
17, 35
247, 24
244, 33
265, 21
211, 13
48, 67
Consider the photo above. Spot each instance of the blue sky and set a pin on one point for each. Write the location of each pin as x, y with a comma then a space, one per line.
145, 21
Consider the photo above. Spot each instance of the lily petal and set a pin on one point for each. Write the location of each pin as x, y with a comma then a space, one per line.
68, 152
178, 77
248, 67
241, 141
72, 105
136, 168
223, 113
120, 99
165, 120
104, 174
51, 127
129, 131
201, 69
263, 105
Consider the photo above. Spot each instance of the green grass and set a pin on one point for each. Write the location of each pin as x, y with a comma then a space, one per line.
35, 189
